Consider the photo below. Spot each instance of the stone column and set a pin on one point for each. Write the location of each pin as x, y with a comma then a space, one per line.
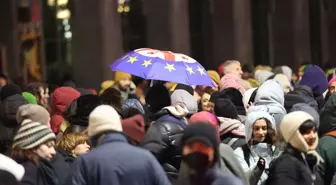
9, 37
167, 25
290, 30
97, 41
232, 31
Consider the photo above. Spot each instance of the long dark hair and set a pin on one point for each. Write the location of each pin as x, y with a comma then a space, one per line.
21, 156
272, 136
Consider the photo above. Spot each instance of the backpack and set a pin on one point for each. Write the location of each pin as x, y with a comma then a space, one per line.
332, 133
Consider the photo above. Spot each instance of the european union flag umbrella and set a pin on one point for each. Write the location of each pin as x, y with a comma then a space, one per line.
163, 65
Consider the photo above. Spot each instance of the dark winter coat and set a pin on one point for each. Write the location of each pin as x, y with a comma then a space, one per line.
163, 140
60, 167
68, 157
42, 174
116, 162
213, 176
301, 94
327, 143
8, 122
290, 169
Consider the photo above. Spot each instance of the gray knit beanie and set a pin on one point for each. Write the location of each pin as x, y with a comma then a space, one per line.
32, 134
33, 112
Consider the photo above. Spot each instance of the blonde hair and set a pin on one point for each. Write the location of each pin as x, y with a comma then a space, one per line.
227, 65
71, 140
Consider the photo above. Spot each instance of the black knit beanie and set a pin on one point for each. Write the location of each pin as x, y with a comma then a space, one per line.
225, 108
158, 97
9, 90
201, 132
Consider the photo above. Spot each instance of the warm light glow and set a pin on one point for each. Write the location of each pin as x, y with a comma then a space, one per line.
65, 22
120, 9
63, 14
67, 27
127, 9
62, 2
51, 2
68, 35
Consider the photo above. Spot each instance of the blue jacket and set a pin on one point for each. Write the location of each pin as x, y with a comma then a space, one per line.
116, 162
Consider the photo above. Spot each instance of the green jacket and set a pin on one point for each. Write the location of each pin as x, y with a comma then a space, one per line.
327, 144
327, 150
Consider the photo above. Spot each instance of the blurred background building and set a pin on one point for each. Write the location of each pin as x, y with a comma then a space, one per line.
54, 40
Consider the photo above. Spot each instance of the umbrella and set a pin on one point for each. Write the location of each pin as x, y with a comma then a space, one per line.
163, 65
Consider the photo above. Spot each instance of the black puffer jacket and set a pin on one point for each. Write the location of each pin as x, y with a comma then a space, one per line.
301, 94
291, 169
163, 140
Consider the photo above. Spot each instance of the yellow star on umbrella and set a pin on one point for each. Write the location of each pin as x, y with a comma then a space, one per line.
201, 70
170, 67
147, 63
190, 70
132, 59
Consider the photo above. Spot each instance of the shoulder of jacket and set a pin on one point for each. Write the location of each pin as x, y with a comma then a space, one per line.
168, 127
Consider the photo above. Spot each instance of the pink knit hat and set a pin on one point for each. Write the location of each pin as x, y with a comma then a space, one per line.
332, 81
205, 116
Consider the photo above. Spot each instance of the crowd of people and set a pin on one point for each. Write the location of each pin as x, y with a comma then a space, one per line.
255, 127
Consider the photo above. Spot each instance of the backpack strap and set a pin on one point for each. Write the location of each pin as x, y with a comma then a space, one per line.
246, 152
233, 140
332, 133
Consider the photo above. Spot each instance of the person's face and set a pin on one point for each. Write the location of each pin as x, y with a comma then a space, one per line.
211, 107
236, 69
294, 77
332, 88
205, 102
3, 82
198, 146
259, 130
81, 149
125, 83
310, 137
44, 95
46, 150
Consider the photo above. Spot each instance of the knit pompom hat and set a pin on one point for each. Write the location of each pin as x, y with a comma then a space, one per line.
32, 134
289, 127
104, 118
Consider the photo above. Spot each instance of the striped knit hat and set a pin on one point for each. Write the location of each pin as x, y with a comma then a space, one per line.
32, 134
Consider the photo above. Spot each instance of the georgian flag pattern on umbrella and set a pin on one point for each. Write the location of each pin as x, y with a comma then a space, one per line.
163, 65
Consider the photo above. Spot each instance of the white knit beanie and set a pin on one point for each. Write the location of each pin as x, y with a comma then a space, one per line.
289, 127
103, 118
